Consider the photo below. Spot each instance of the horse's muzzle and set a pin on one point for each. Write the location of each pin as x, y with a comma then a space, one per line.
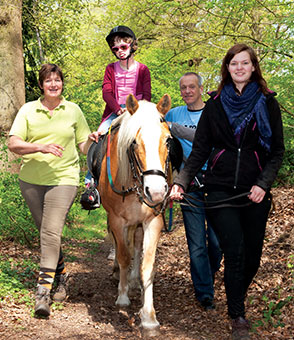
155, 189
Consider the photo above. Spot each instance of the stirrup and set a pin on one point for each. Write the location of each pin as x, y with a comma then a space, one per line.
90, 199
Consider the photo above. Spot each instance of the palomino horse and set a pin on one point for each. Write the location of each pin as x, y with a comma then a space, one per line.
134, 185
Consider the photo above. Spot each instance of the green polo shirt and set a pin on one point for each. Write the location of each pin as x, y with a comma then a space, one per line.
66, 127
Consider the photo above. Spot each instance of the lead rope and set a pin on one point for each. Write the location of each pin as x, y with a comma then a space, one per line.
168, 228
217, 206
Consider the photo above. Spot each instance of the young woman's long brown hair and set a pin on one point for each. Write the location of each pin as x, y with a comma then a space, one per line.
256, 74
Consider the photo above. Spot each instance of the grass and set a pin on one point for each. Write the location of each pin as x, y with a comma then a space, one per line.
84, 233
17, 277
88, 226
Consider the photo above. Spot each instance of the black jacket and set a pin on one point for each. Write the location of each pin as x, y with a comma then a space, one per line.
233, 166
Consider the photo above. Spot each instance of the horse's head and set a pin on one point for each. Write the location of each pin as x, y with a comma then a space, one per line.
145, 134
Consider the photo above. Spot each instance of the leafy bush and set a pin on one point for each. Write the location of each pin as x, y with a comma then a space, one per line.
16, 279
16, 222
286, 174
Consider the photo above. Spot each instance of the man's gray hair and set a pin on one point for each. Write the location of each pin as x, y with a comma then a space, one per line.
199, 78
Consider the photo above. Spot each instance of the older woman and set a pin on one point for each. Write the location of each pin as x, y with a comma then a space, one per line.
241, 133
45, 132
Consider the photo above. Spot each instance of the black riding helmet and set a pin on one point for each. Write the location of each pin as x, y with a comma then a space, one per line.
122, 30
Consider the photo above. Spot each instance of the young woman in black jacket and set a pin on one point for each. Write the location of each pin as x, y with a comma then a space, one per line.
240, 133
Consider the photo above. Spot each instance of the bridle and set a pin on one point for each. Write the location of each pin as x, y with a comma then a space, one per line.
138, 175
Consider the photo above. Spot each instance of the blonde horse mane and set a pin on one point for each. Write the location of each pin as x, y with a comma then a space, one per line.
146, 114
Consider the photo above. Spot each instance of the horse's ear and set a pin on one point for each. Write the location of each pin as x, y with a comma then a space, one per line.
132, 104
164, 104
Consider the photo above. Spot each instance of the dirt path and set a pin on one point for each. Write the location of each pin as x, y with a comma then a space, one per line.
89, 312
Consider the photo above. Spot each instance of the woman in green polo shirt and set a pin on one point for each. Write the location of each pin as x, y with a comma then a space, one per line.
45, 132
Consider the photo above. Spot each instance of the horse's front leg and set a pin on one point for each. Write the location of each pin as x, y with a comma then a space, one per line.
124, 259
151, 237
135, 272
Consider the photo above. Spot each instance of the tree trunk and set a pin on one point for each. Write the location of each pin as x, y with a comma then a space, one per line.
12, 90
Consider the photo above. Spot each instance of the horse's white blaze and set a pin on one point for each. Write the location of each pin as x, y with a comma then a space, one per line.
155, 187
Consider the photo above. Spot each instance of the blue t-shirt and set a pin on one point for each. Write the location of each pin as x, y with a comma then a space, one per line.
186, 118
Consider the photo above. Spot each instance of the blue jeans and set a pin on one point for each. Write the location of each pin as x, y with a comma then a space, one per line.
104, 126
204, 250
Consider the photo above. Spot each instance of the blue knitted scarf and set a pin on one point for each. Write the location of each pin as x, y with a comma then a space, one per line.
241, 109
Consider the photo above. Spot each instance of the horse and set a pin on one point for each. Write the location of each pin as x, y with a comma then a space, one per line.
134, 185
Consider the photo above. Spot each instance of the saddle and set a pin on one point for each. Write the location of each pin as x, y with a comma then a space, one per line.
96, 153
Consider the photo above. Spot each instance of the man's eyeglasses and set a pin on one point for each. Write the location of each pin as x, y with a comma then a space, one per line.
122, 47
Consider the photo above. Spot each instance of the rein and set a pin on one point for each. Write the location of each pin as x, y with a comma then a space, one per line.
217, 205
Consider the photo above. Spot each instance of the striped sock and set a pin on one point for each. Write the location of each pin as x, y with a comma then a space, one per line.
46, 277
60, 269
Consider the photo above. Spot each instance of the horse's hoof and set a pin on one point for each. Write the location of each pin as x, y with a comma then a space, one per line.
150, 332
135, 284
115, 276
123, 301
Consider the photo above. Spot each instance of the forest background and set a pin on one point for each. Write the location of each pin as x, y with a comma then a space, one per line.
174, 37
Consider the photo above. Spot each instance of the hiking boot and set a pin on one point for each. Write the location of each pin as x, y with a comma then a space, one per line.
207, 304
61, 285
42, 301
240, 329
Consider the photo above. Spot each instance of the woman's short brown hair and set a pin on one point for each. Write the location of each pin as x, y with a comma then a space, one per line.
45, 72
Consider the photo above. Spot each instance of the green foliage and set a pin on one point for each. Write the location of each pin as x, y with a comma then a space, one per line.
272, 312
174, 37
50, 31
86, 225
16, 222
16, 279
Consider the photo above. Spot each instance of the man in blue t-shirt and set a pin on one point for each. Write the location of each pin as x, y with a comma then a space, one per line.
205, 254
